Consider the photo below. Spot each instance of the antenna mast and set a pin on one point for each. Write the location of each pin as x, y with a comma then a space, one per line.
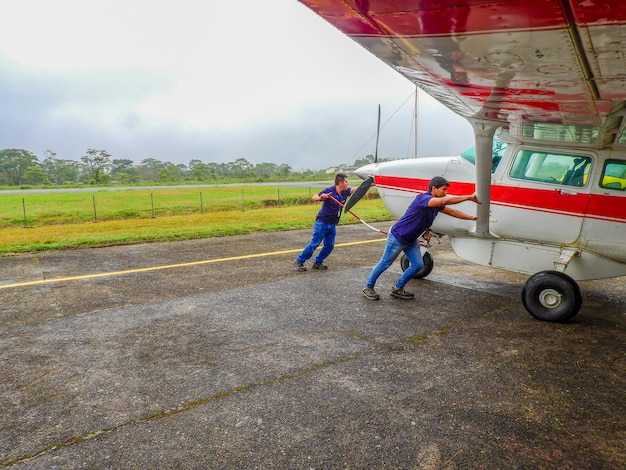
377, 135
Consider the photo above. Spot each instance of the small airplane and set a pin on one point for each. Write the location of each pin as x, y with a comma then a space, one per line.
543, 85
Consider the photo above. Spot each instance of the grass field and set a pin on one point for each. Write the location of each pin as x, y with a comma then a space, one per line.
36, 209
35, 222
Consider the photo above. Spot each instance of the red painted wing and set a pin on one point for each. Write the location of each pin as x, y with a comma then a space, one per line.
512, 61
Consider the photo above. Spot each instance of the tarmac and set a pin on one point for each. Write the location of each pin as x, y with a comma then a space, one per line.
218, 354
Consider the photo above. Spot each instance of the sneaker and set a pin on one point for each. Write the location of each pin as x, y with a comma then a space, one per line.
400, 293
299, 266
319, 266
370, 293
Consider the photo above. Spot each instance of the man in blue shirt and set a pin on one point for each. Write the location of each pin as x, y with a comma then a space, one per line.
325, 227
403, 236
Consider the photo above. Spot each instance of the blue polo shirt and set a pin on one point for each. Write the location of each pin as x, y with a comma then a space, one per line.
417, 218
330, 212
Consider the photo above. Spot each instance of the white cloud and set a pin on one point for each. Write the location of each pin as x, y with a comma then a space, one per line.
197, 78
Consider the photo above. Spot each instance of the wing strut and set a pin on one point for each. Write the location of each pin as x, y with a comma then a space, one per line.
483, 137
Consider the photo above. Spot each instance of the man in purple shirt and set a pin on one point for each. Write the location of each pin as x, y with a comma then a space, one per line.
325, 227
403, 236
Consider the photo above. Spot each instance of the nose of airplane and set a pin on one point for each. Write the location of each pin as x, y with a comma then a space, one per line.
366, 171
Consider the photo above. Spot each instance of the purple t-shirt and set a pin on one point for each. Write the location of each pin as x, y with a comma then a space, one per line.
417, 218
330, 211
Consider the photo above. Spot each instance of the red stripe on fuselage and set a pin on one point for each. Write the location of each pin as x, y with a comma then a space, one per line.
596, 206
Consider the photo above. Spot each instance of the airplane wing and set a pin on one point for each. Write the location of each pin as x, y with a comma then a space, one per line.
552, 70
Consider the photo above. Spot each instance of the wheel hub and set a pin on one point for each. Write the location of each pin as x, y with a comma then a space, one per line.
550, 298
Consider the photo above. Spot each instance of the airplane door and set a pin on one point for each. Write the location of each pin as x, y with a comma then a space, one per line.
541, 195
605, 224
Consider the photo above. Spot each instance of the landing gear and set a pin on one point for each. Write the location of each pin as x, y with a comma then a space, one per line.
425, 271
552, 296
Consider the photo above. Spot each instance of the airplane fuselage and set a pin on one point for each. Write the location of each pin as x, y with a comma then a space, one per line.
538, 212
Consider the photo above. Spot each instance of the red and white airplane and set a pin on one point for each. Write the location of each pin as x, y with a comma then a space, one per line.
549, 77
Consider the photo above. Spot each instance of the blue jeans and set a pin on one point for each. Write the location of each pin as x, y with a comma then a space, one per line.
322, 231
392, 250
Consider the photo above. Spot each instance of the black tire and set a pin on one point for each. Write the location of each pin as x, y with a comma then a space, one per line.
552, 296
422, 273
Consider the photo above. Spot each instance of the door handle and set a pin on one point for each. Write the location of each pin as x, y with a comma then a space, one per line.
567, 192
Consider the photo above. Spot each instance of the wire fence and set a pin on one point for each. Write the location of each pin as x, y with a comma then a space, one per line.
39, 209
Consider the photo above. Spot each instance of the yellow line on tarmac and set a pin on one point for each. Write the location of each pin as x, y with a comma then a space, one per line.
170, 266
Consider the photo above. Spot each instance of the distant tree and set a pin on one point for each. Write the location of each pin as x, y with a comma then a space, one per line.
14, 163
124, 171
129, 176
217, 170
183, 171
149, 169
265, 169
119, 164
364, 161
169, 172
95, 165
200, 171
60, 171
284, 169
272, 170
241, 168
35, 175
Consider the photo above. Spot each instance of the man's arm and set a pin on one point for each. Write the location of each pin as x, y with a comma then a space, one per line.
458, 214
449, 200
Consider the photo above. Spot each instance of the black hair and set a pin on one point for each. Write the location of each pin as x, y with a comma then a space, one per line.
437, 182
339, 178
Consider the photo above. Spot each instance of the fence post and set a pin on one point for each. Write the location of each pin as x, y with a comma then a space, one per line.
95, 218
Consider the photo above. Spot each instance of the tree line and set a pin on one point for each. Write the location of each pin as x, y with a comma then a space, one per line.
19, 167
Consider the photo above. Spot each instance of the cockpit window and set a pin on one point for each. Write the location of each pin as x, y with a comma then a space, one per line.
555, 168
614, 175
497, 151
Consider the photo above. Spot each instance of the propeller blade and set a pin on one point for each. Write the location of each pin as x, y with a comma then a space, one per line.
359, 193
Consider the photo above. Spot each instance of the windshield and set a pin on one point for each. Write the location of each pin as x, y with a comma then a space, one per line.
497, 152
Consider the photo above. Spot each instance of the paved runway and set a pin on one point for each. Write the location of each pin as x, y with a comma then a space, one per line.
216, 353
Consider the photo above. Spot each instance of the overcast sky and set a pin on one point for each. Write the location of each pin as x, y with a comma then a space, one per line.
214, 80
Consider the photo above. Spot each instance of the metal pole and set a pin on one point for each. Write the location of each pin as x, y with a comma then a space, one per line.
377, 136
416, 116
483, 137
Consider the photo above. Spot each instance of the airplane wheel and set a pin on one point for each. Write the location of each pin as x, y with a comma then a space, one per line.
552, 296
422, 273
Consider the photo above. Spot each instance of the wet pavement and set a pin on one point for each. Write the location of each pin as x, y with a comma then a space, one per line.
216, 353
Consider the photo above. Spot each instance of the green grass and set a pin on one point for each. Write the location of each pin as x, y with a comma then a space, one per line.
59, 221
35, 209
